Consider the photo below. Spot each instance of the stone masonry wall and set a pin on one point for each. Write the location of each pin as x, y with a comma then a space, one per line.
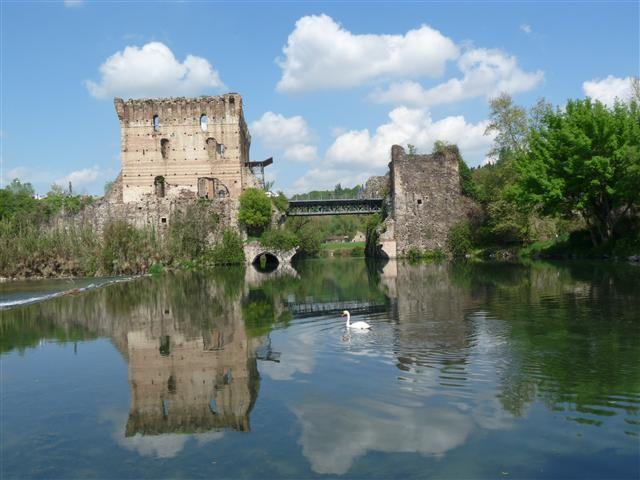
426, 201
182, 140
149, 211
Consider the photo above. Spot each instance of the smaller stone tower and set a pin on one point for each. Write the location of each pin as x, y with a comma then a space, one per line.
426, 201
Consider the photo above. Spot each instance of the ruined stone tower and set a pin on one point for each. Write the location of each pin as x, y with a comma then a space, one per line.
174, 146
425, 202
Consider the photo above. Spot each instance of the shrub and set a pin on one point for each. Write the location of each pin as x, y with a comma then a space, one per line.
414, 254
280, 202
156, 269
255, 210
127, 249
459, 240
228, 252
279, 239
188, 231
436, 255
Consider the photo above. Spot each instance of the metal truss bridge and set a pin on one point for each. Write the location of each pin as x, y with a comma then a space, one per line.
348, 206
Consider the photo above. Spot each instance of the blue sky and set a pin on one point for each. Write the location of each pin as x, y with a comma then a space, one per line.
327, 87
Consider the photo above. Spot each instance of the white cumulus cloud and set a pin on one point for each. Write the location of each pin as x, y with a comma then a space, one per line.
153, 71
485, 73
608, 89
321, 54
291, 136
526, 28
81, 177
414, 126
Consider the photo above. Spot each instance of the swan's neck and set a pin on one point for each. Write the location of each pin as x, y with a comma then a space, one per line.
348, 319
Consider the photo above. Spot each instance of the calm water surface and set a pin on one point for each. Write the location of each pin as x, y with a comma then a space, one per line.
470, 371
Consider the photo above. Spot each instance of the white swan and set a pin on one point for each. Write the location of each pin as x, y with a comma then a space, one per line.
355, 325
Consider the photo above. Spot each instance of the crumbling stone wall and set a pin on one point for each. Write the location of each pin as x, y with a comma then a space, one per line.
148, 212
377, 187
175, 144
425, 202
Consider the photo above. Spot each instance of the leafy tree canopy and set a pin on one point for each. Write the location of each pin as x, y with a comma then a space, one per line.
584, 159
255, 209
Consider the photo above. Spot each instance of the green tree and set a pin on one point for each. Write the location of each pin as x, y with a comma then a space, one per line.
255, 210
584, 159
510, 125
17, 202
280, 202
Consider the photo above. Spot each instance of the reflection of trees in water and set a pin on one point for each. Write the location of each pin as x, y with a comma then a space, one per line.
574, 335
568, 335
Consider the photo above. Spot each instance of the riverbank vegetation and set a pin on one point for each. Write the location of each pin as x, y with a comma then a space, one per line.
31, 246
563, 182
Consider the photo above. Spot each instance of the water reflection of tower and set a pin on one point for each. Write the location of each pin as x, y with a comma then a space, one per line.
183, 382
430, 310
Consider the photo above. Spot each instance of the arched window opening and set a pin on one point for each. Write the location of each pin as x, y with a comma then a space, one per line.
159, 183
164, 148
204, 122
206, 187
220, 149
156, 123
221, 189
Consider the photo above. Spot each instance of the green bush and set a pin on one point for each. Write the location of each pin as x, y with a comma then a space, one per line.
280, 202
414, 254
279, 239
436, 255
156, 269
459, 240
228, 252
188, 231
128, 250
255, 210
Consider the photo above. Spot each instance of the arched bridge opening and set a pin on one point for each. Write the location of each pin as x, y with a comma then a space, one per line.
266, 262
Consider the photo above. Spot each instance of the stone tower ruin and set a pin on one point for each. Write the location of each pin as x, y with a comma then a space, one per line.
425, 202
174, 146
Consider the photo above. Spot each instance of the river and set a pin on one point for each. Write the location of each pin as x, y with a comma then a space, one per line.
470, 371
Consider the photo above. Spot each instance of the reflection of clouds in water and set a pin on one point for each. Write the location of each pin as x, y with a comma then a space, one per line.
297, 355
331, 446
167, 445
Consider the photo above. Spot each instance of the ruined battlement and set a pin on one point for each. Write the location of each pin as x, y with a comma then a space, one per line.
181, 110
170, 146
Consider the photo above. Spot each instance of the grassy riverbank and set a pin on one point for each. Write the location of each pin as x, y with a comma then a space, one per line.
342, 249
